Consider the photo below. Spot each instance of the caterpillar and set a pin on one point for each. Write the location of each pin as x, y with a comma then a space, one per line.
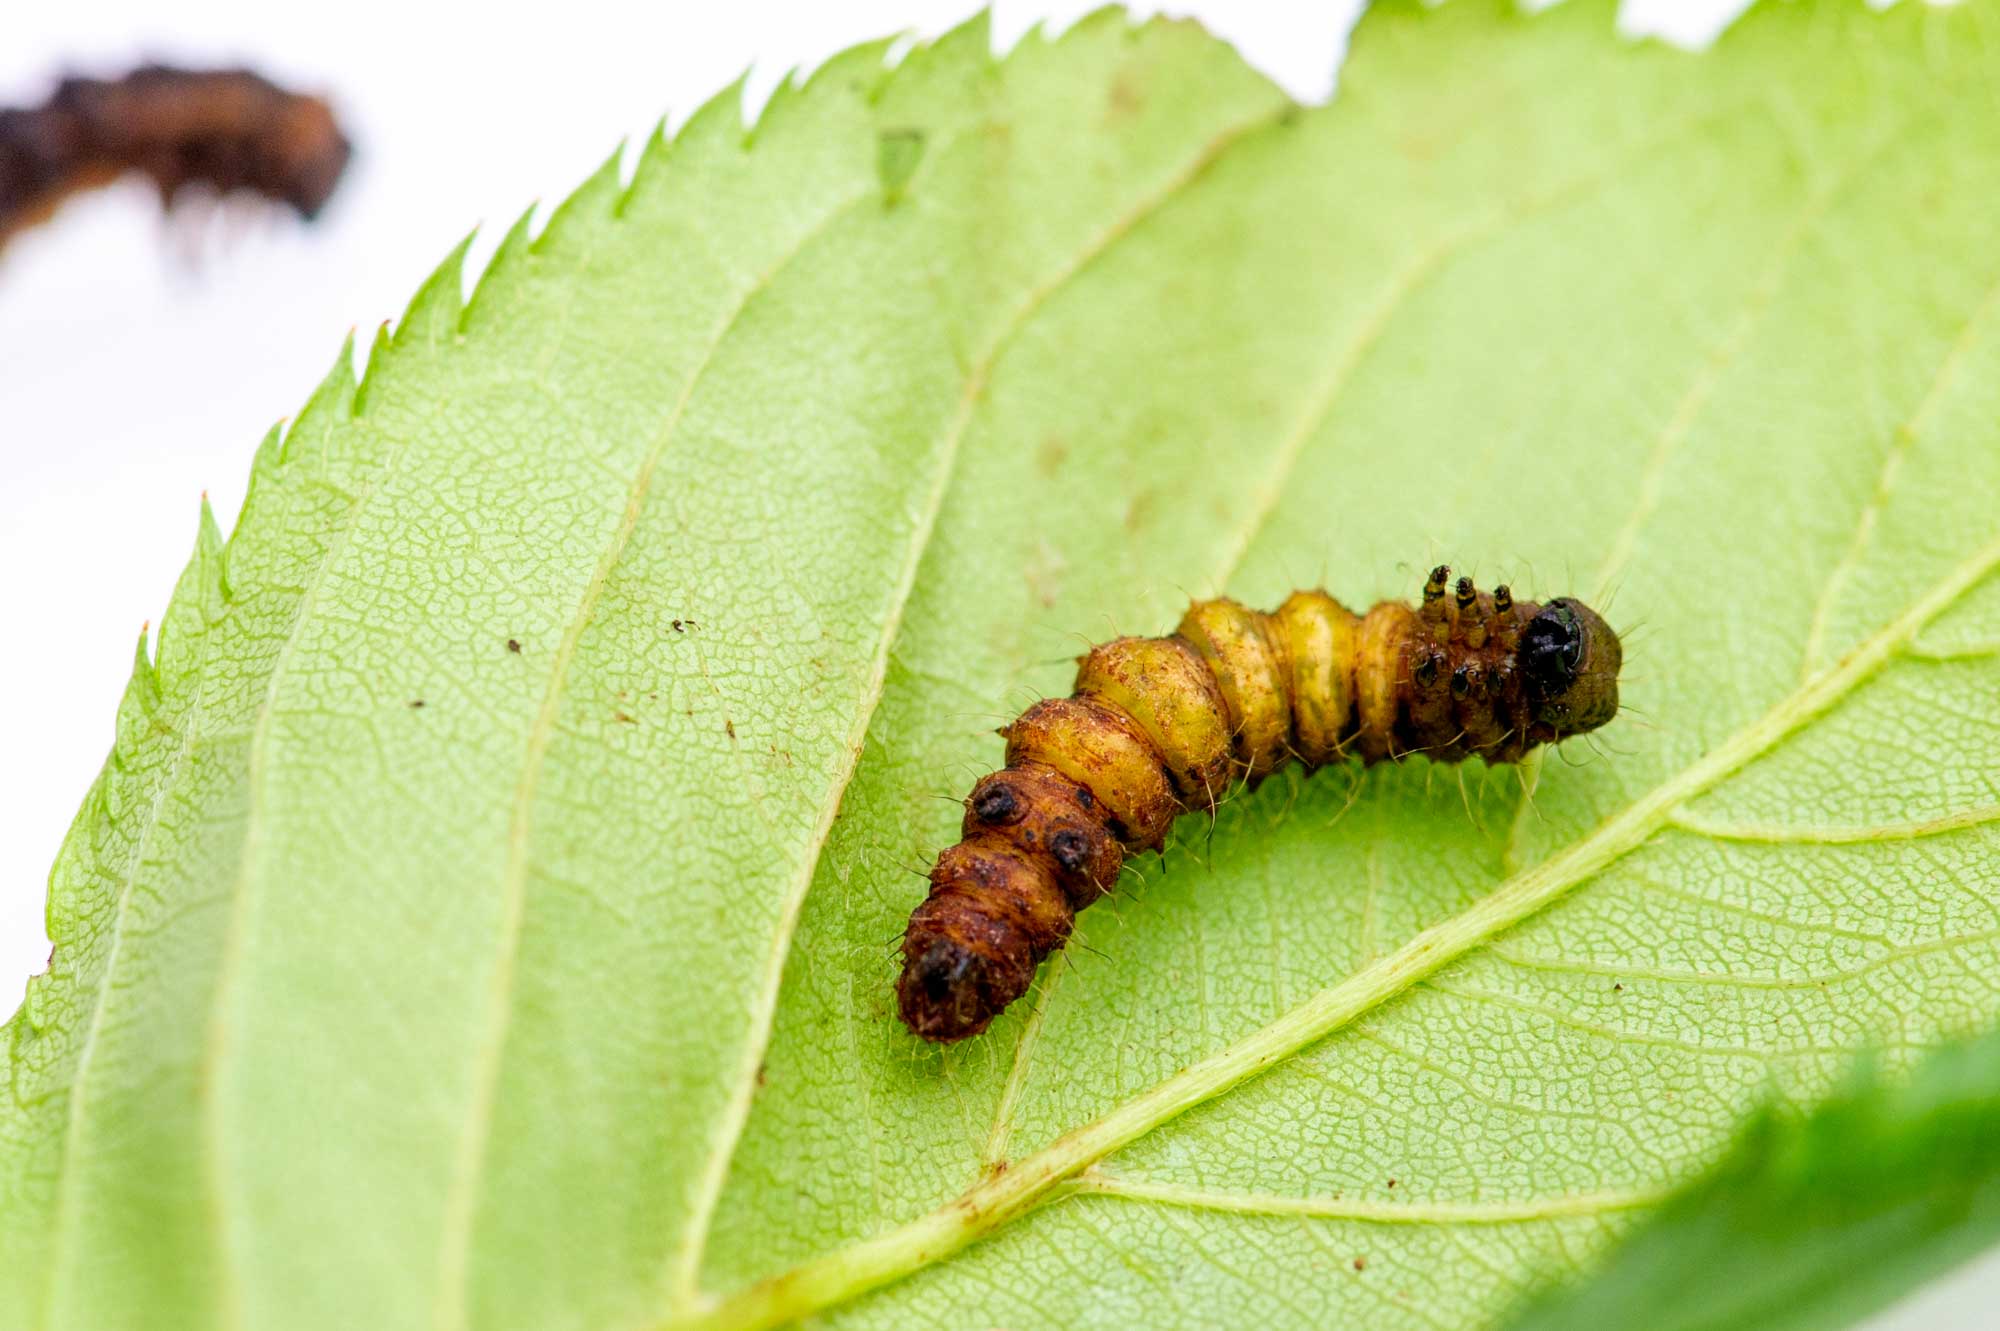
1159, 726
231, 129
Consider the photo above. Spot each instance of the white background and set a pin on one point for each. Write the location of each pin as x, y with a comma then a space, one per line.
140, 362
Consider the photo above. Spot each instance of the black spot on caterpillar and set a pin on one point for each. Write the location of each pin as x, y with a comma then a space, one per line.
229, 129
1159, 726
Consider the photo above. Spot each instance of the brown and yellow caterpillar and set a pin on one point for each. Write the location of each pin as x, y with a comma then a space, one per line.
228, 129
1159, 726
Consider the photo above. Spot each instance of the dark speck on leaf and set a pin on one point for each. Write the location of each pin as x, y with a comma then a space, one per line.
514, 646
730, 726
419, 702
1361, 1263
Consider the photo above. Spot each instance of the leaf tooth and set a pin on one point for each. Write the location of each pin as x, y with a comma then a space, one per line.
716, 123
42, 1004
860, 65
970, 43
596, 198
197, 602
951, 65
650, 163
213, 548
142, 687
331, 404
379, 351
433, 316
504, 267
777, 108
269, 457
1108, 20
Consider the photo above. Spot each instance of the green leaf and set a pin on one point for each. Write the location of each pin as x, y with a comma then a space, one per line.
1807, 1222
407, 979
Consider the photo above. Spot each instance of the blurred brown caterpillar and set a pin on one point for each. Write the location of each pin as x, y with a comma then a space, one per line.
1159, 726
230, 129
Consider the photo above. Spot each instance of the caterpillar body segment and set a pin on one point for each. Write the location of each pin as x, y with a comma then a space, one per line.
1156, 727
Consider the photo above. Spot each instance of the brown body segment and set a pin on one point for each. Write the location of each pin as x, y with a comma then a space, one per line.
1160, 726
1110, 759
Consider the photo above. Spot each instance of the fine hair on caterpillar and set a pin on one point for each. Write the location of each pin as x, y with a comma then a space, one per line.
1157, 727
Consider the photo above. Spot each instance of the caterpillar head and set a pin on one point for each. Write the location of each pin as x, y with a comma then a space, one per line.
1569, 660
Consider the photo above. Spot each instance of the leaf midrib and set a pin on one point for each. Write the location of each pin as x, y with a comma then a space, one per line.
866, 1264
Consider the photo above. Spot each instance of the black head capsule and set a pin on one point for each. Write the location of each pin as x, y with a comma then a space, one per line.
1570, 660
1552, 649
1467, 594
1461, 682
1434, 588
1503, 599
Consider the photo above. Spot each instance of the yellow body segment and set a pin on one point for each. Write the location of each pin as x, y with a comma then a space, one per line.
1319, 637
1163, 686
1250, 669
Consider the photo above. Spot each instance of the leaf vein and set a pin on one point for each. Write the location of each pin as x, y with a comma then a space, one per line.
869, 1263
455, 1241
1905, 439
687, 1268
64, 1222
1795, 834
